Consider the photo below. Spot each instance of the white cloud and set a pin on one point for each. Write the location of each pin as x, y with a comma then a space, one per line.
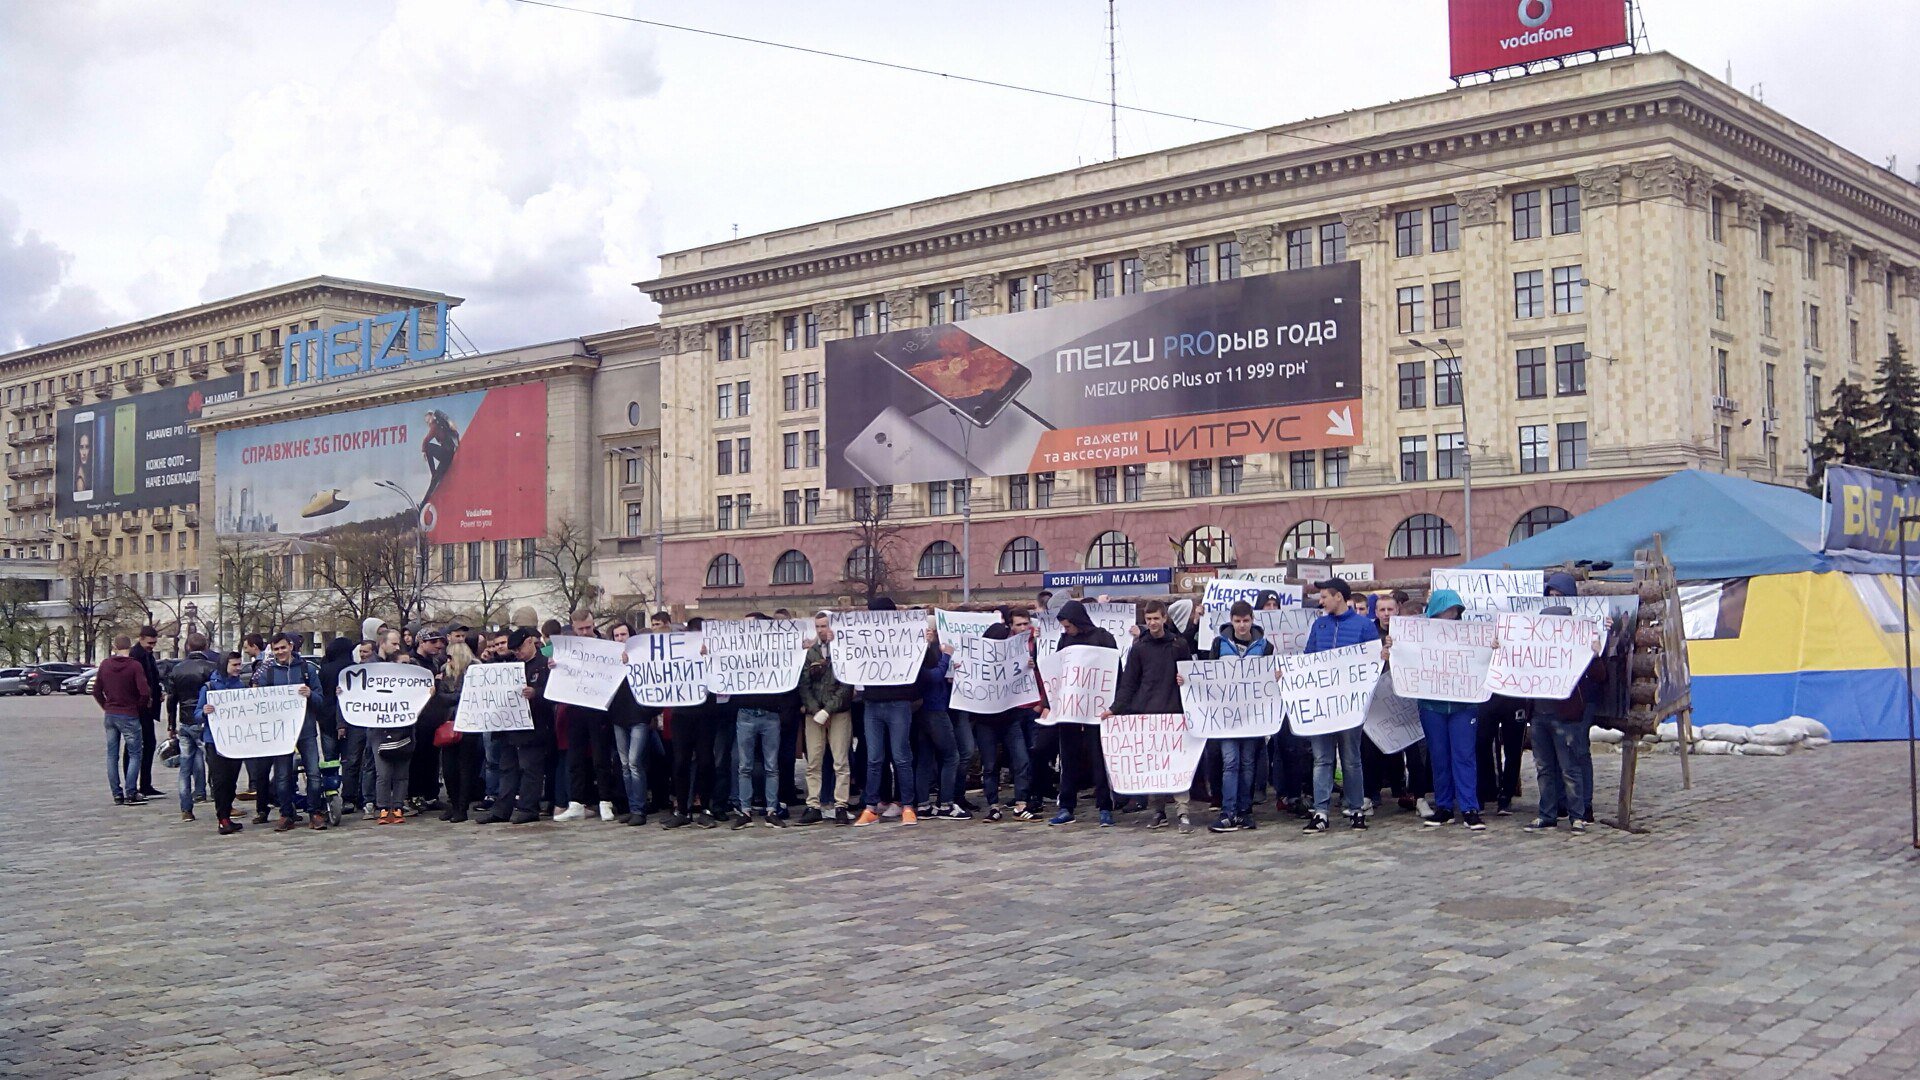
38, 302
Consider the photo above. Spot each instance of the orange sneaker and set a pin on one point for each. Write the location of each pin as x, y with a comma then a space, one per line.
908, 817
867, 817
384, 817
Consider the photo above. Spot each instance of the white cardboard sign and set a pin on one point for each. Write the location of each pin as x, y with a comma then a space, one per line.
256, 721
666, 671
954, 625
586, 671
384, 695
1116, 619
1080, 682
991, 676
1328, 691
1393, 722
1483, 590
1150, 753
490, 699
1290, 617
879, 648
757, 656
1541, 656
1441, 659
1236, 698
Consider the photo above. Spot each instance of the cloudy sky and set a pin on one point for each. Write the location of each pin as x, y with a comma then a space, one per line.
164, 152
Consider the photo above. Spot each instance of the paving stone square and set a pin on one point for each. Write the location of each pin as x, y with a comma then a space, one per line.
1767, 925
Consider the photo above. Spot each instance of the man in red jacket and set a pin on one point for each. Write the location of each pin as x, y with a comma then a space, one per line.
120, 686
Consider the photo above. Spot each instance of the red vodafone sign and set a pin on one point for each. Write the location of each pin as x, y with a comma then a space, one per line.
1490, 34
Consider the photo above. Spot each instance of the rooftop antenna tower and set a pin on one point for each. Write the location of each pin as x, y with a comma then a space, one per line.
1113, 85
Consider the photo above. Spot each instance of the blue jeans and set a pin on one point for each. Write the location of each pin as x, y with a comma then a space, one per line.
193, 761
887, 731
307, 755
756, 730
1237, 761
631, 748
356, 767
1452, 739
965, 743
1353, 785
495, 744
1563, 758
123, 754
934, 748
1008, 735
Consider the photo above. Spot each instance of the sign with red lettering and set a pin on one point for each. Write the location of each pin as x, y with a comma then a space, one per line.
1080, 681
1541, 656
1329, 691
1491, 34
1150, 753
1440, 659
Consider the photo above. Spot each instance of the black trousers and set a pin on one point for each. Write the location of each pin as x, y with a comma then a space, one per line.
423, 776
222, 774
593, 776
461, 764
523, 772
147, 747
1502, 734
1043, 752
694, 767
790, 793
1079, 753
1292, 766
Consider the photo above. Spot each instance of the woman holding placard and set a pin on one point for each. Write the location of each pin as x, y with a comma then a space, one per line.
1451, 730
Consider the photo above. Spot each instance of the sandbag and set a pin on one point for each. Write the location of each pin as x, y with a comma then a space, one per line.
1813, 729
1732, 733
1712, 746
1813, 742
1775, 734
1605, 735
1764, 750
1668, 731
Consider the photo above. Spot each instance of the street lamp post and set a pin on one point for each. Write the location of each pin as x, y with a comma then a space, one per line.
966, 508
420, 545
1449, 361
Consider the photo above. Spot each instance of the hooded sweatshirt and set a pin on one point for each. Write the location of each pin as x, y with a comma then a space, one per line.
121, 687
338, 658
1075, 612
1148, 681
1562, 583
1351, 627
1441, 600
1226, 645
1588, 690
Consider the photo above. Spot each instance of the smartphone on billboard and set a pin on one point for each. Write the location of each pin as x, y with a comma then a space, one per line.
968, 375
126, 449
86, 450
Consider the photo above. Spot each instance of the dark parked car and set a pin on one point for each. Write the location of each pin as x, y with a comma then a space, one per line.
79, 684
24, 680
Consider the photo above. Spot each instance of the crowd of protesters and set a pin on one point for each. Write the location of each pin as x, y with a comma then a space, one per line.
866, 755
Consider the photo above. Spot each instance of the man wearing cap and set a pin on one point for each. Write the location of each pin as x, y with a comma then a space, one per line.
1340, 624
1562, 753
423, 778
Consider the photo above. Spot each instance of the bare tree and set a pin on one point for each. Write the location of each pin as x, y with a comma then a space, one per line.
391, 560
88, 575
871, 569
349, 574
256, 587
567, 550
22, 630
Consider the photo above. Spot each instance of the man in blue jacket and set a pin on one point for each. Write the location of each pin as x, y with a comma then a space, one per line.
285, 667
222, 771
1340, 624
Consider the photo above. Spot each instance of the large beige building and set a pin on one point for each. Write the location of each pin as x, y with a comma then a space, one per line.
1638, 268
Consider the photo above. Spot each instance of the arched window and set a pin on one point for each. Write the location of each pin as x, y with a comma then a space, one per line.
1023, 555
863, 564
940, 559
724, 572
1112, 550
792, 568
1312, 539
1536, 521
1208, 545
1423, 536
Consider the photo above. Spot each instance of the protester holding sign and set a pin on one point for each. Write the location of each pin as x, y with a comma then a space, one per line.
1004, 730
1339, 625
586, 671
756, 737
1150, 684
1562, 746
1238, 639
222, 771
873, 648
285, 667
1451, 729
1402, 772
463, 759
828, 704
1079, 745
523, 755
936, 747
634, 744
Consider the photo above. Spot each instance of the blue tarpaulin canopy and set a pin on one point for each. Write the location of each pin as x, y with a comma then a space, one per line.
1713, 526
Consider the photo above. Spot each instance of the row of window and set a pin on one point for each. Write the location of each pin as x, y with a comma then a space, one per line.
1569, 445
1530, 377
1419, 536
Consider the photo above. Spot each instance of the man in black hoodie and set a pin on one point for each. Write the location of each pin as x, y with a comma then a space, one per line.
150, 712
523, 760
1150, 684
1079, 742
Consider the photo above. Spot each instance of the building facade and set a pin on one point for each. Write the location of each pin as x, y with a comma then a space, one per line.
1590, 278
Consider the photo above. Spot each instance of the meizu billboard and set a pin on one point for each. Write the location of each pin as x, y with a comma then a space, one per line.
1255, 365
1491, 34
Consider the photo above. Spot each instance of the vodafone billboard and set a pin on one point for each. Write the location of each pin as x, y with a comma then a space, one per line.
1491, 34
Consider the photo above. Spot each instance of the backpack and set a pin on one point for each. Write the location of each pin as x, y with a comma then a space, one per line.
188, 676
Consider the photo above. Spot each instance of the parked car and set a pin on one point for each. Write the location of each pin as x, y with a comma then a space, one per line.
61, 670
79, 684
24, 680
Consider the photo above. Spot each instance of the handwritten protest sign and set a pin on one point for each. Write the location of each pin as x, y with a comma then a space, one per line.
1046, 633
1216, 612
759, 656
1440, 659
1540, 656
490, 699
992, 676
586, 671
1608, 612
666, 671
1080, 683
1116, 619
257, 721
1328, 691
1483, 590
384, 695
1232, 699
1150, 753
954, 625
879, 648
1393, 722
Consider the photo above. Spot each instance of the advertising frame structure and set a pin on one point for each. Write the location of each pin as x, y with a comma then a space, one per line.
1490, 35
134, 453
1257, 364
466, 466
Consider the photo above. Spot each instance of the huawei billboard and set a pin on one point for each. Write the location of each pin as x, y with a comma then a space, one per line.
1492, 34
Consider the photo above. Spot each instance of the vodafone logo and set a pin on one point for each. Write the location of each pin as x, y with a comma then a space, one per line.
1535, 13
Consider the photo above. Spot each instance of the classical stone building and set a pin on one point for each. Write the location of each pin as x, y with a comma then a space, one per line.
1638, 268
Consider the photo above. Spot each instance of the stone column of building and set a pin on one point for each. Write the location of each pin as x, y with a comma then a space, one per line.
1256, 249
683, 427
1486, 364
1610, 309
1379, 416
1678, 306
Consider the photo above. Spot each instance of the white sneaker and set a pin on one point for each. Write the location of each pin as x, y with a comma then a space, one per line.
606, 811
890, 811
574, 812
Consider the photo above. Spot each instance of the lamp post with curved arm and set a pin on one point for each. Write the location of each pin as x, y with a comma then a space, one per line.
420, 544
1449, 362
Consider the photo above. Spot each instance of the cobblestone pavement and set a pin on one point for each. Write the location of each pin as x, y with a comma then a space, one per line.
1765, 927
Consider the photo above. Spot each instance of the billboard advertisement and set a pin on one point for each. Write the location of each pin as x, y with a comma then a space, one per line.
135, 453
475, 463
1253, 365
1867, 517
1492, 34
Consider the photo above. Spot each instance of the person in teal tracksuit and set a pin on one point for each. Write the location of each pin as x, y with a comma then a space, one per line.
1452, 730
